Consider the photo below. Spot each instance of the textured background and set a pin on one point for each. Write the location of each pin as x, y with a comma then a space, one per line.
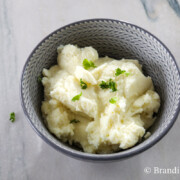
23, 23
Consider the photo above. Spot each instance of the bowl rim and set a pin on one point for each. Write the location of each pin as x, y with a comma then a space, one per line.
98, 157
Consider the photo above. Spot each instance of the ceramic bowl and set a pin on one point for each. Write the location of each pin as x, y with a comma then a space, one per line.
115, 39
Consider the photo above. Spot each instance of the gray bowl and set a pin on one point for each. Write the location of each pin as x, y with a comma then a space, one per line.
115, 39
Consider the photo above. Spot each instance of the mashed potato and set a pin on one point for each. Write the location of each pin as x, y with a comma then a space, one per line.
102, 104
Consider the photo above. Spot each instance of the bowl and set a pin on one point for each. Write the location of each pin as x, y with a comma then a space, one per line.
115, 39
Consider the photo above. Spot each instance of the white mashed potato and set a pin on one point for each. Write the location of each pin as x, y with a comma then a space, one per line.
101, 119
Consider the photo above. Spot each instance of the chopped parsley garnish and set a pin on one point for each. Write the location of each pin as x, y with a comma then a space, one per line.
39, 79
12, 117
113, 100
74, 121
77, 97
83, 84
104, 85
110, 84
88, 64
119, 72
127, 73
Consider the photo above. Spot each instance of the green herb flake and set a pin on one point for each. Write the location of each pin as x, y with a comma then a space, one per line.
88, 64
83, 84
110, 84
74, 121
104, 85
77, 97
119, 72
12, 117
127, 73
113, 100
39, 79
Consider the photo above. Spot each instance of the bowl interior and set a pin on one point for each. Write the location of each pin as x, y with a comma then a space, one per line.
114, 39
